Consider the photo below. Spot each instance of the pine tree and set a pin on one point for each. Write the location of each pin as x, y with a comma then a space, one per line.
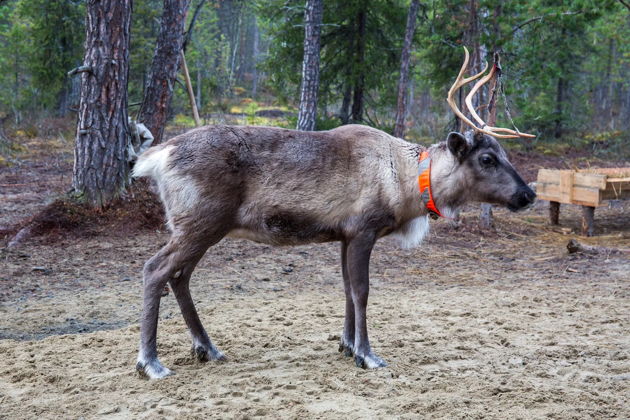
164, 68
100, 167
310, 66
403, 81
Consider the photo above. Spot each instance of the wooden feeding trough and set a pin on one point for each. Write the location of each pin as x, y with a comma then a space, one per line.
589, 188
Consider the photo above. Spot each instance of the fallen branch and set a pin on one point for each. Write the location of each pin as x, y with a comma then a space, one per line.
574, 246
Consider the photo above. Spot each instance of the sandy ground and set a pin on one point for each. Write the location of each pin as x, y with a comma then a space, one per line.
505, 325
502, 325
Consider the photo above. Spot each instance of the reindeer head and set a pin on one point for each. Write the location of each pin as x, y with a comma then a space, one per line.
481, 168
483, 173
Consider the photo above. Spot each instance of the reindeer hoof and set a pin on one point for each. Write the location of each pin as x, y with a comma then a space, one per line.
153, 369
345, 348
369, 361
204, 354
347, 351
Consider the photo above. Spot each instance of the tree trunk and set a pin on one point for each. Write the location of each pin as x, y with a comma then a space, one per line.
344, 111
100, 164
359, 85
401, 109
166, 58
16, 85
199, 83
560, 93
486, 217
234, 51
255, 54
557, 133
188, 34
608, 94
310, 65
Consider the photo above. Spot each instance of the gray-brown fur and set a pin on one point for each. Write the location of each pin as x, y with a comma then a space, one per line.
353, 184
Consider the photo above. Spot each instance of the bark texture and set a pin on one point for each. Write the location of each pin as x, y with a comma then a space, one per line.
310, 65
359, 84
403, 81
166, 60
100, 164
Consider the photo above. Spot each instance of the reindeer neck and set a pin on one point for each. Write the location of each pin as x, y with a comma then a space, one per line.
447, 187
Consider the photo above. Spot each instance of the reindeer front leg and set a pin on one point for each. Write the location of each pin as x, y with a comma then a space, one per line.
358, 265
347, 337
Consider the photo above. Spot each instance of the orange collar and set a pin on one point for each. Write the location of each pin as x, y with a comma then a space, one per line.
424, 182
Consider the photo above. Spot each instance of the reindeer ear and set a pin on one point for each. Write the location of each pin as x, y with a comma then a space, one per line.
458, 145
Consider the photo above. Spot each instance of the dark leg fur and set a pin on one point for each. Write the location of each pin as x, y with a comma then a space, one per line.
347, 337
175, 263
358, 261
202, 347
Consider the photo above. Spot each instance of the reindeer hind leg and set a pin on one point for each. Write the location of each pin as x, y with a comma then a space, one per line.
202, 347
175, 263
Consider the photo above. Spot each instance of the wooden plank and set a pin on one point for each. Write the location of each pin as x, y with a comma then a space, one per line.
578, 195
547, 176
566, 186
616, 191
552, 176
587, 203
587, 187
546, 191
592, 196
614, 172
590, 180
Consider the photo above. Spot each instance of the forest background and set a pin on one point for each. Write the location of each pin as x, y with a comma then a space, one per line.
566, 64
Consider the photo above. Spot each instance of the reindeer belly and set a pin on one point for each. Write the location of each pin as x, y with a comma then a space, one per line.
282, 228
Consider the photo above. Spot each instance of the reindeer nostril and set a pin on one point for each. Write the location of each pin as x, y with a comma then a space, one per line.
526, 197
531, 196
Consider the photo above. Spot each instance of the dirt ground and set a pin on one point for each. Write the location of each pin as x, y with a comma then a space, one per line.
473, 324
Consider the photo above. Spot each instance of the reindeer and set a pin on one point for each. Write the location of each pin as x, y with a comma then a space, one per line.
353, 184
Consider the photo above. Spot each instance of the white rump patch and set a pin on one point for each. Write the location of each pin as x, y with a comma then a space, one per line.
152, 164
178, 192
411, 234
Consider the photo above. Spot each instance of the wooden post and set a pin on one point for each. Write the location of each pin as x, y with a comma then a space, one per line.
588, 220
191, 94
487, 220
554, 212
486, 217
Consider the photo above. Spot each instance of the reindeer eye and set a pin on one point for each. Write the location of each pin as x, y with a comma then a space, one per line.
487, 160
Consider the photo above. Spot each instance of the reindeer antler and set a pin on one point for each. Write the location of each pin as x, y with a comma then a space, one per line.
461, 81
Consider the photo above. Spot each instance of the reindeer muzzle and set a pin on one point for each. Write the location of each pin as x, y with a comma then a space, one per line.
522, 199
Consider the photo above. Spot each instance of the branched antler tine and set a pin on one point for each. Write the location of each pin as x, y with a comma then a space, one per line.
485, 128
492, 131
507, 130
459, 82
474, 90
